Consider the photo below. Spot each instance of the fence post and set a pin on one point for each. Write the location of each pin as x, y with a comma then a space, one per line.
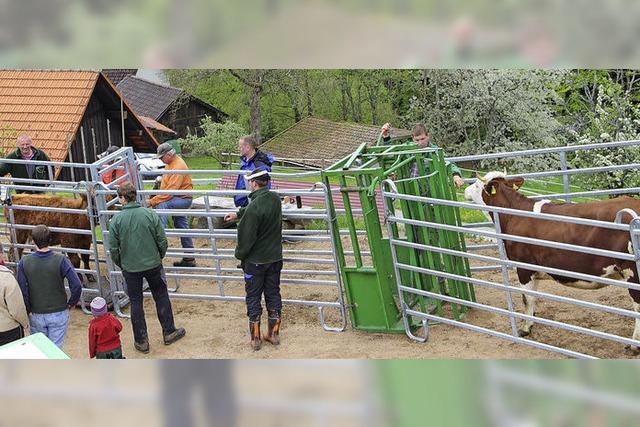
505, 273
565, 176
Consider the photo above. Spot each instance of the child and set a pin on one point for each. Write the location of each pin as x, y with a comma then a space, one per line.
104, 332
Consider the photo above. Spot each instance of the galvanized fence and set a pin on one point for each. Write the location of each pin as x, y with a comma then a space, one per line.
494, 258
217, 276
20, 219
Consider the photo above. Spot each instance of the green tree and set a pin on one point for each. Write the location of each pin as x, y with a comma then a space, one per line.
217, 140
483, 111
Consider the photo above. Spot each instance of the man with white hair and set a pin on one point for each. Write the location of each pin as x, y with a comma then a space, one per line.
26, 151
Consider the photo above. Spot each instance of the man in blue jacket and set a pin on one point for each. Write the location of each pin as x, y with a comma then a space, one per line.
250, 159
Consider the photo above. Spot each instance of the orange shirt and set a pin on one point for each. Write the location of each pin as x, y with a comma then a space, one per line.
112, 175
173, 181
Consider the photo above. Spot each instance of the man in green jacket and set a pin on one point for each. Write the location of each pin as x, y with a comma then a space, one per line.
26, 151
421, 137
259, 250
137, 244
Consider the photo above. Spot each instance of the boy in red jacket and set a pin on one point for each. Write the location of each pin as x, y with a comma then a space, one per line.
104, 332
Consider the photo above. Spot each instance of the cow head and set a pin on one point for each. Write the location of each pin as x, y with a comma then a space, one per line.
487, 190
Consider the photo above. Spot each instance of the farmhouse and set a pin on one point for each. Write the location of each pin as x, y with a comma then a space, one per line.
172, 107
71, 115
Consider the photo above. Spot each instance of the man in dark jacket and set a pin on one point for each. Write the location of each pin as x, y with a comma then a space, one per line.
250, 159
26, 151
137, 244
259, 250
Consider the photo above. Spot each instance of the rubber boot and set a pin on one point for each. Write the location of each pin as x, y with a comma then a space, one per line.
254, 331
273, 335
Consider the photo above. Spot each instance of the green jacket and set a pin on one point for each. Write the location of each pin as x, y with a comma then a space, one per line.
455, 170
260, 228
21, 171
137, 241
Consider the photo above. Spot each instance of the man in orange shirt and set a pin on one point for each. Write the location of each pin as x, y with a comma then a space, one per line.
179, 182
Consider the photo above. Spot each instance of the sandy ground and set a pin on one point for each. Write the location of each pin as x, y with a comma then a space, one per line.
217, 329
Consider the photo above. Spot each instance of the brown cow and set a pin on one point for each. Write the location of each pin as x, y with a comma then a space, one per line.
496, 190
54, 219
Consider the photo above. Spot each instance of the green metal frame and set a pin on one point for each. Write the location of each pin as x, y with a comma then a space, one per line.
371, 290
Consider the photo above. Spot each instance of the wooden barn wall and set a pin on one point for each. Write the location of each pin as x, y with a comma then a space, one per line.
95, 118
184, 117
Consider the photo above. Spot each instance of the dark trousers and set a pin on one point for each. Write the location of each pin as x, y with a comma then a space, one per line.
262, 279
112, 354
11, 335
158, 287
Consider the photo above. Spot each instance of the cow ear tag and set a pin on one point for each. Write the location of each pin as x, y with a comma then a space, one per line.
493, 190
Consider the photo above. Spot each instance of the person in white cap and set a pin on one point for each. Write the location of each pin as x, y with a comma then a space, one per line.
104, 332
178, 182
259, 250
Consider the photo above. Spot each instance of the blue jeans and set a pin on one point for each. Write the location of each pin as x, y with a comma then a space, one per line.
53, 325
178, 221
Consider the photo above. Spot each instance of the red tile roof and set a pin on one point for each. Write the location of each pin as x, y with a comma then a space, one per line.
47, 105
312, 140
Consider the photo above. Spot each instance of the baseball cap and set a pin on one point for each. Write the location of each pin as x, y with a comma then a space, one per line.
164, 148
259, 172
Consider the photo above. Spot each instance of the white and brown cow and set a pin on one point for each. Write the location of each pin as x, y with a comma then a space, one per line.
494, 189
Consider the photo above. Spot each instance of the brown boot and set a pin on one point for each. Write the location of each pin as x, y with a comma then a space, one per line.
273, 336
254, 330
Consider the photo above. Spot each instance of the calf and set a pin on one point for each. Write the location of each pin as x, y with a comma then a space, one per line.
496, 190
54, 219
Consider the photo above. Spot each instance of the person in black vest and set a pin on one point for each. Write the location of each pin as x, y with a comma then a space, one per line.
41, 278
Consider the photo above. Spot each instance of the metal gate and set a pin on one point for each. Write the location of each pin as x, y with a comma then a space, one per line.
222, 277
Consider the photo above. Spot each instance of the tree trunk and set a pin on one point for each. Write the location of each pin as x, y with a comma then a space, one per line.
343, 92
308, 94
255, 111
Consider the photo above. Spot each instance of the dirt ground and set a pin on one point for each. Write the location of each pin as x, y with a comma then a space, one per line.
217, 329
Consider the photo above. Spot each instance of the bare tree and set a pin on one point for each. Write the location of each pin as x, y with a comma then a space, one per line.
254, 81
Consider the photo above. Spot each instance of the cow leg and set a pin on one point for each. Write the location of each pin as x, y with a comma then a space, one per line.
636, 331
85, 262
21, 236
75, 260
530, 281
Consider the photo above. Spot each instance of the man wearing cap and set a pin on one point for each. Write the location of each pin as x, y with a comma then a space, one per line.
26, 151
176, 182
137, 244
259, 250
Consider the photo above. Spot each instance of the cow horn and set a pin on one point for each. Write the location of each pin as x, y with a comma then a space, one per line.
480, 177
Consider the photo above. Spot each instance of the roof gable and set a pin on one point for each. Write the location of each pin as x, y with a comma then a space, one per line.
47, 105
316, 139
147, 98
116, 75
